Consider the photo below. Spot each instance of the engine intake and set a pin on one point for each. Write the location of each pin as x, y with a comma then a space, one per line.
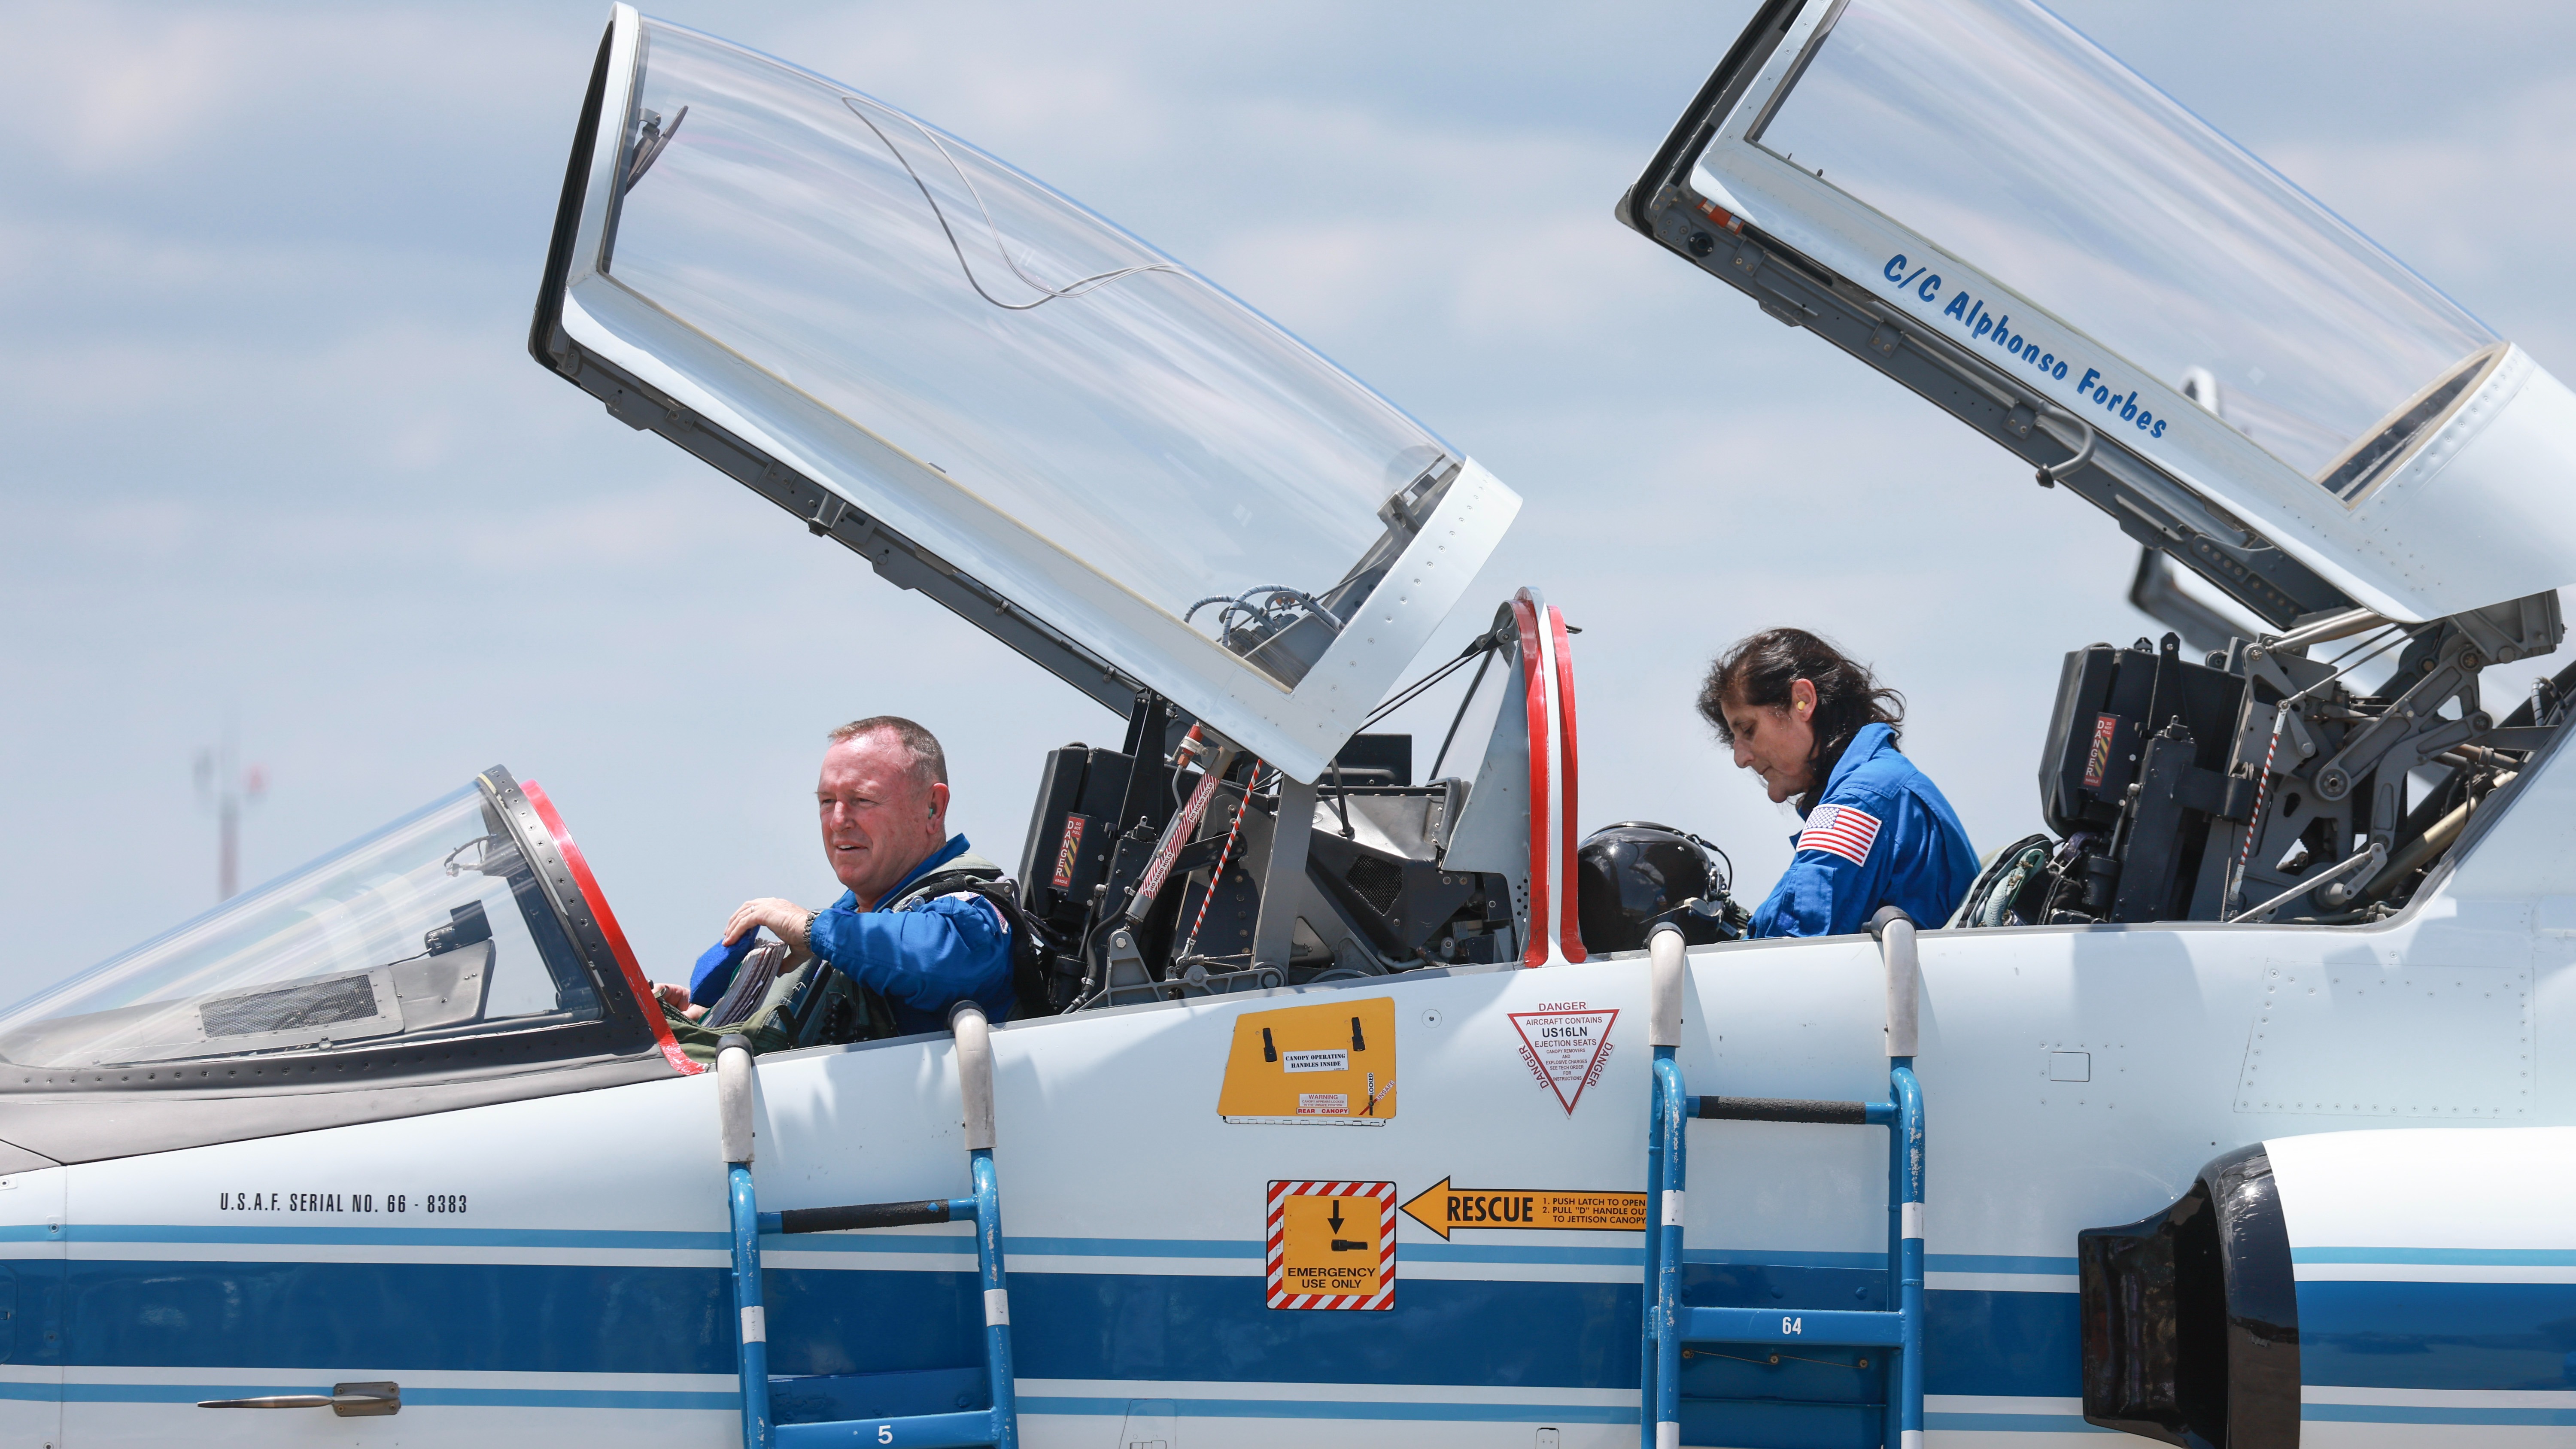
2191, 1316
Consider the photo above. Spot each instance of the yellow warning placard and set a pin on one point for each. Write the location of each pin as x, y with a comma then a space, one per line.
1444, 1209
1330, 1244
1333, 1063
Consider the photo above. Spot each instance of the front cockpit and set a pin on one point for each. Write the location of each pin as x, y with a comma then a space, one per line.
461, 954
433, 927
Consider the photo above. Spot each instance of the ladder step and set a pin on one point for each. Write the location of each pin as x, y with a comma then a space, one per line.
1790, 1109
870, 1215
916, 1431
1829, 1327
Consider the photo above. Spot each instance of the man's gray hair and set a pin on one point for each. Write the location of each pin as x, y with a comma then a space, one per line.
926, 754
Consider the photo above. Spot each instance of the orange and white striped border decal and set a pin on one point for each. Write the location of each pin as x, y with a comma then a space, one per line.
1275, 1254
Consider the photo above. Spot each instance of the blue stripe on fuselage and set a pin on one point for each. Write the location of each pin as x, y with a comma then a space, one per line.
633, 1319
576, 1319
549, 1318
2436, 1335
2465, 1415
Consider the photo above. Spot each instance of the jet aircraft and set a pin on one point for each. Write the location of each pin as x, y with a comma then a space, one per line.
2216, 1116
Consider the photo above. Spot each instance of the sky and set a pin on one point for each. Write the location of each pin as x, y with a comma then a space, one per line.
278, 462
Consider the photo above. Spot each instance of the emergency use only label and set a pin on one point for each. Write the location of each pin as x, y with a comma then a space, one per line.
1330, 1245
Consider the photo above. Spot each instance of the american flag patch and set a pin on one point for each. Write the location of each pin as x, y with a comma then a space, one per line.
1840, 830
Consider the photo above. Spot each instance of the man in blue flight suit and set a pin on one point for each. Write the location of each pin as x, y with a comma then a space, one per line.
906, 928
1814, 725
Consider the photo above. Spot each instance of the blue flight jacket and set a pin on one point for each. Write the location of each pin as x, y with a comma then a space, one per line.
1881, 836
923, 956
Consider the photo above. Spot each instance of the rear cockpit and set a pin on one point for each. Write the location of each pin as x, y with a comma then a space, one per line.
2371, 482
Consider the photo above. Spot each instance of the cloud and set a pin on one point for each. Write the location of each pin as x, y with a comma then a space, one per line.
148, 92
2478, 209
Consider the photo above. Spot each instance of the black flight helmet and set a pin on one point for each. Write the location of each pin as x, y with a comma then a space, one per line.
1633, 873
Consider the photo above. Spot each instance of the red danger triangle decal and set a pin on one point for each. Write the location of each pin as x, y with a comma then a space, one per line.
1565, 1047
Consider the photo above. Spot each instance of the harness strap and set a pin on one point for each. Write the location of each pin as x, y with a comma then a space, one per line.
946, 882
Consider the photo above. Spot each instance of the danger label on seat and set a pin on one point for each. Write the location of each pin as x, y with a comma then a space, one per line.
1331, 1245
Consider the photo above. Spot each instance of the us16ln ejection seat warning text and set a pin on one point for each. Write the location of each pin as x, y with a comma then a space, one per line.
1566, 1046
1331, 1245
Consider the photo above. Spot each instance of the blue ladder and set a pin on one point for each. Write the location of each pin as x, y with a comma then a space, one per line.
1668, 1323
998, 1426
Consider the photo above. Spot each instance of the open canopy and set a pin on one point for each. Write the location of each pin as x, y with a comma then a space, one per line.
1089, 430
1998, 181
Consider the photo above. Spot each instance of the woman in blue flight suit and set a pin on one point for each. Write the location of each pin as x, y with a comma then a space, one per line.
1816, 727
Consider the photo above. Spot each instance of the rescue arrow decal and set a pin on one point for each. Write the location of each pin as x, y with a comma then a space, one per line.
1543, 1209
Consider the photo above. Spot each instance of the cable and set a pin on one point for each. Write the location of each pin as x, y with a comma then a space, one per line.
2357, 663
1480, 645
2368, 637
1090, 948
1726, 884
1493, 648
1264, 611
1071, 289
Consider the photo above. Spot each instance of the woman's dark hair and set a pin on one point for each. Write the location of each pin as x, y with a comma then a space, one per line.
1758, 671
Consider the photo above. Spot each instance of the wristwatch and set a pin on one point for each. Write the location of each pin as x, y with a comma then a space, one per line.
810, 917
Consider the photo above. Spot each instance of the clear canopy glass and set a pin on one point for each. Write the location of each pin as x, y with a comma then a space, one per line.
1997, 132
434, 926
1080, 384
